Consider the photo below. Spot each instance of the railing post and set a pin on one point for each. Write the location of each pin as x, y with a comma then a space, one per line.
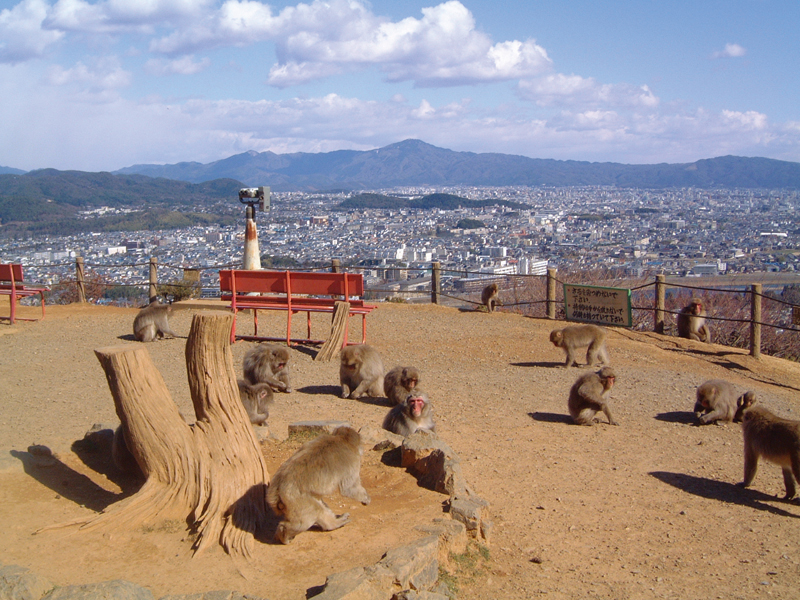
551, 293
658, 317
436, 282
153, 278
80, 281
336, 266
755, 320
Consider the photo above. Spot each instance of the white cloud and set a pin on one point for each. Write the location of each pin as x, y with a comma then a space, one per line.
186, 65
328, 37
730, 51
573, 90
441, 48
21, 35
115, 16
236, 23
751, 119
106, 74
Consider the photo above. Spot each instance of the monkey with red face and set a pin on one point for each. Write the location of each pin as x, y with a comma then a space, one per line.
414, 413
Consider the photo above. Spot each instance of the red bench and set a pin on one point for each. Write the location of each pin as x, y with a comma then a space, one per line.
292, 291
11, 285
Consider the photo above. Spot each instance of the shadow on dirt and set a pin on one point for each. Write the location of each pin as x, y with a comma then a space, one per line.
722, 491
66, 482
544, 365
546, 417
328, 390
677, 416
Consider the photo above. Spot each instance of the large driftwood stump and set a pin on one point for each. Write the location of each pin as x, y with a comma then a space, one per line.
213, 472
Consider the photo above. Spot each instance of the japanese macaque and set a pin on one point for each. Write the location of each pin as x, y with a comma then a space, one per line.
361, 372
320, 467
717, 401
573, 337
775, 439
122, 456
692, 322
151, 322
399, 383
489, 297
415, 412
257, 400
589, 395
268, 363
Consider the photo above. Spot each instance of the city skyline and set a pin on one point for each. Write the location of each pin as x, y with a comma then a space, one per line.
103, 85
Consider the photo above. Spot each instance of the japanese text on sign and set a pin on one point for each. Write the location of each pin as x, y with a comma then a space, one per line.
601, 305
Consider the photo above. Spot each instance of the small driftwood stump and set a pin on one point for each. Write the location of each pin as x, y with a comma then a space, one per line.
211, 473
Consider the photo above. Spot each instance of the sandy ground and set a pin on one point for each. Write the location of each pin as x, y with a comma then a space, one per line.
648, 509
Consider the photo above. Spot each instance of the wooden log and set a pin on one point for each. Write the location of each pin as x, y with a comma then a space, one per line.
212, 473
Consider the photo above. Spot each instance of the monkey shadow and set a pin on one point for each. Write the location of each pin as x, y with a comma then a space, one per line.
129, 337
722, 491
470, 309
328, 390
546, 365
677, 416
546, 417
66, 482
375, 401
94, 450
245, 510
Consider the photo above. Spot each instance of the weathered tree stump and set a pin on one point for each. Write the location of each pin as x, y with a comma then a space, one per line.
211, 473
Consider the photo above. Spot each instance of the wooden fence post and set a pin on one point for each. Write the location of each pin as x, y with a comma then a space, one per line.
336, 266
551, 293
755, 320
80, 280
436, 282
658, 317
153, 278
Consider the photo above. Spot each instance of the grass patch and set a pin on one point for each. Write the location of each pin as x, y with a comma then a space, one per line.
466, 567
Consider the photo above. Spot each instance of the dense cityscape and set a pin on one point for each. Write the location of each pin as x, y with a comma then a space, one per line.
632, 233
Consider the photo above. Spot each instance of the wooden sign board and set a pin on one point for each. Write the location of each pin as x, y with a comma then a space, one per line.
595, 304
191, 275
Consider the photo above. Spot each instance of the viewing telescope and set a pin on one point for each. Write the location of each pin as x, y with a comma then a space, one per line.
255, 196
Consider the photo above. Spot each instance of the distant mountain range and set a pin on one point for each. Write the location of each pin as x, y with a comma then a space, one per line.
415, 163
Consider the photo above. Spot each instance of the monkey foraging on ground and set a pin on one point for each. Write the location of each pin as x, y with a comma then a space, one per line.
717, 401
151, 322
572, 337
588, 396
399, 383
361, 372
320, 467
489, 297
692, 322
268, 363
414, 413
775, 439
257, 399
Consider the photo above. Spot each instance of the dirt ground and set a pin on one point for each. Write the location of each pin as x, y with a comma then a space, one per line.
648, 509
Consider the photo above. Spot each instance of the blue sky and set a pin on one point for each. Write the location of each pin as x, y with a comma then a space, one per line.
103, 85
